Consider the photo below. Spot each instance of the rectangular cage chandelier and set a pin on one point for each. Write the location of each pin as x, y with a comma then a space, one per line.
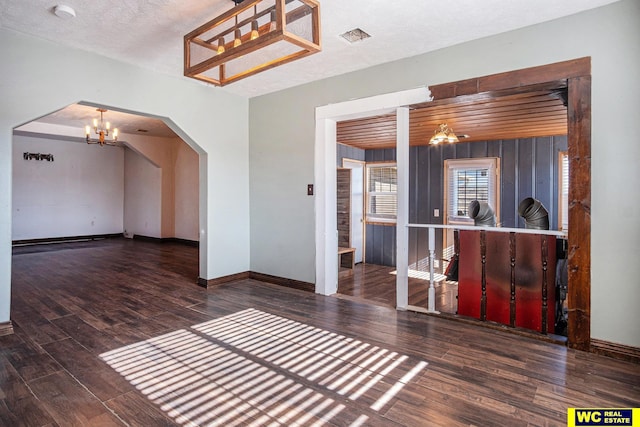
253, 36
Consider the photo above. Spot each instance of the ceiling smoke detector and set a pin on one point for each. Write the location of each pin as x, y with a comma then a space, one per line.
64, 11
355, 35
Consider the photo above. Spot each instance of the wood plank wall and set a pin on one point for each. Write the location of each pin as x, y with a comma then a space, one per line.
348, 152
343, 207
380, 245
528, 169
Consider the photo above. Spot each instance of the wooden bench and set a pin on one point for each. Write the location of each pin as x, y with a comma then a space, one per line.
346, 260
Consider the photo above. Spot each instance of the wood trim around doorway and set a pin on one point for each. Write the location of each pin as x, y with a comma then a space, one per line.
577, 74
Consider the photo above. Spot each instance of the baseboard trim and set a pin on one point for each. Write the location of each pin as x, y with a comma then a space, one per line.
282, 281
6, 328
68, 239
193, 243
48, 240
274, 280
208, 283
147, 238
616, 351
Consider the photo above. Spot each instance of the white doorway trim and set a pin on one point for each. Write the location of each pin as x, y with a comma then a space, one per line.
325, 173
402, 211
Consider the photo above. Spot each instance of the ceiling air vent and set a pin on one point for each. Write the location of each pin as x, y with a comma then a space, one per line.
355, 35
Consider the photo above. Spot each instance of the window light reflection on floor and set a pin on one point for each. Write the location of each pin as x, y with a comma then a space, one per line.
424, 275
256, 368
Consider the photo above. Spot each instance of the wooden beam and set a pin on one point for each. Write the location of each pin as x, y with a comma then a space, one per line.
579, 257
513, 79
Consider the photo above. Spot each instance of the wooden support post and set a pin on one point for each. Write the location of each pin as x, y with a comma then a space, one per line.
579, 257
545, 256
402, 217
483, 257
512, 301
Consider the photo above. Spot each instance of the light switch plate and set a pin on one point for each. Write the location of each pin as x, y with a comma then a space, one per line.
436, 213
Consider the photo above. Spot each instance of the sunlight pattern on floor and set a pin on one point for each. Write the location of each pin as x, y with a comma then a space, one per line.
424, 275
254, 368
345, 365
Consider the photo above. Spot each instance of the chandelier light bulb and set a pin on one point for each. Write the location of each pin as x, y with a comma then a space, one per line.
272, 23
254, 30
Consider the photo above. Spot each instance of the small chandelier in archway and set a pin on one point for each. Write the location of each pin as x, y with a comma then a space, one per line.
102, 129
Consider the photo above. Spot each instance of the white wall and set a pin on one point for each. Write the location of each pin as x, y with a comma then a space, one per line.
142, 196
160, 151
179, 183
282, 147
80, 193
39, 77
186, 192
160, 186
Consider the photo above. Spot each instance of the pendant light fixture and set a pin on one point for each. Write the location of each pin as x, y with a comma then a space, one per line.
443, 134
260, 35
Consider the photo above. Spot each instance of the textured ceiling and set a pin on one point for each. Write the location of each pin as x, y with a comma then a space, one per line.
78, 116
149, 33
81, 115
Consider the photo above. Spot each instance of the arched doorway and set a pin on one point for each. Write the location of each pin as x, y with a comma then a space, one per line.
200, 203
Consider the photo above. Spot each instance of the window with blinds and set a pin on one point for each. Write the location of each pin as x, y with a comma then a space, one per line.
382, 196
468, 180
564, 190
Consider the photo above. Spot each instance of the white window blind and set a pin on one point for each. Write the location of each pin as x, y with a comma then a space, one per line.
468, 180
382, 197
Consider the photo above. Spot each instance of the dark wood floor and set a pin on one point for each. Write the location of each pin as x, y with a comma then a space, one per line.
376, 284
117, 333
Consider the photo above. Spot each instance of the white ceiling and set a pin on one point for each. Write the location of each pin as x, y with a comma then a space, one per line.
149, 33
79, 116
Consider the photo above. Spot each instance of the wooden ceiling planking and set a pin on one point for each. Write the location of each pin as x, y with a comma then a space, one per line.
523, 113
480, 109
469, 102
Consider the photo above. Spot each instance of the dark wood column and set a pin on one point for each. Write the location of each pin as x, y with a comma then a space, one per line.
579, 256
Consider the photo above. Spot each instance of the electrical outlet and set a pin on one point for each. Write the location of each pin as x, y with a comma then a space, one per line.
436, 213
